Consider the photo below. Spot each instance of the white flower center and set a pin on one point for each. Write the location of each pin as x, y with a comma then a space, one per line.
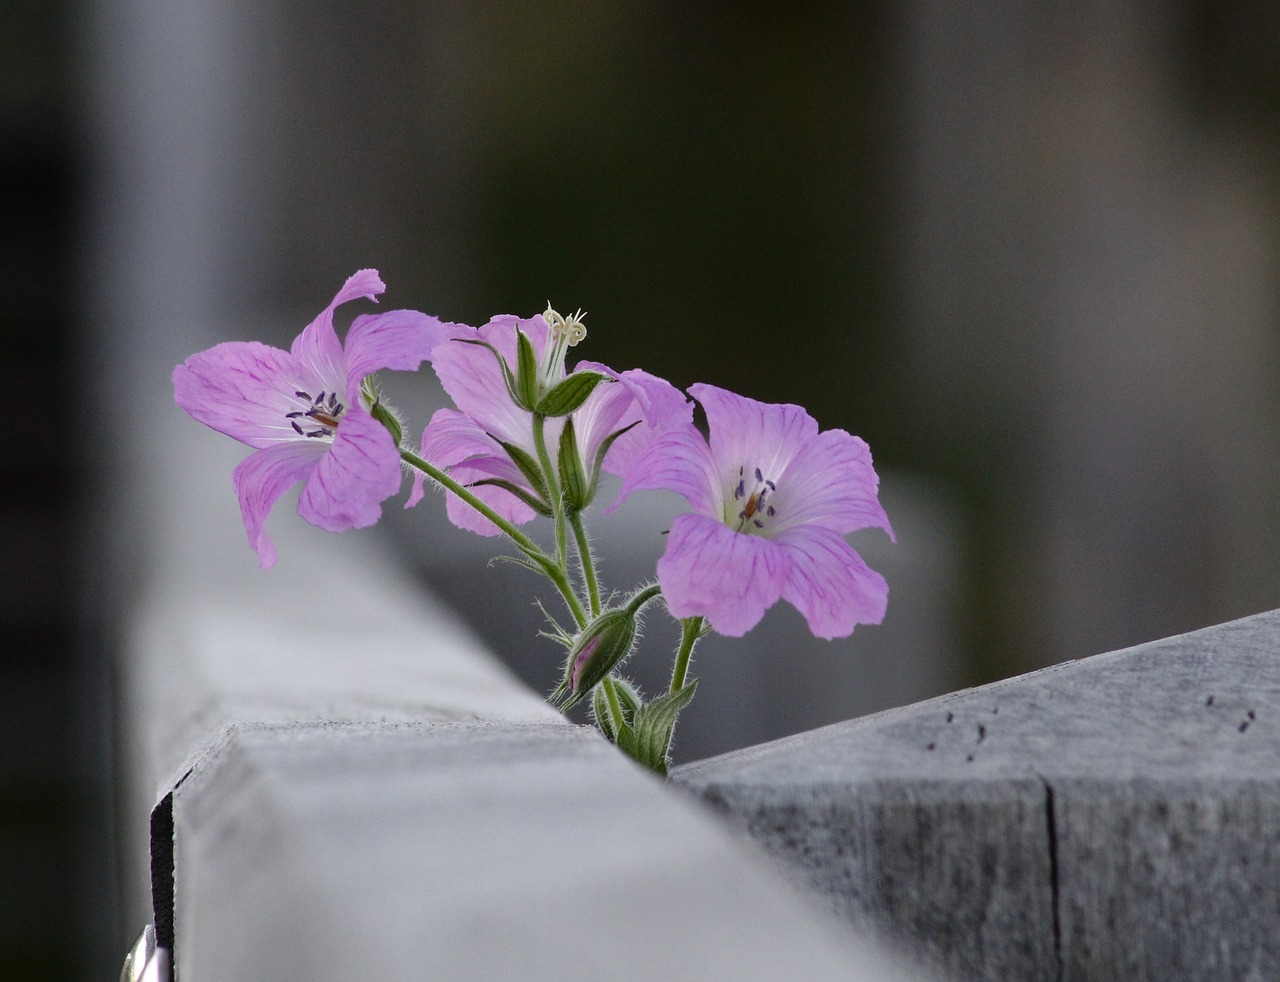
563, 334
753, 501
321, 417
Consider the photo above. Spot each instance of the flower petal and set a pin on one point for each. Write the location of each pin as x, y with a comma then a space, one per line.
453, 442
831, 483
710, 570
360, 471
678, 460
242, 389
259, 481
744, 432
829, 583
317, 348
472, 377
634, 396
399, 339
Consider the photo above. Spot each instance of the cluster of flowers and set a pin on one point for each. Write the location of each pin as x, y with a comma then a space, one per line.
771, 497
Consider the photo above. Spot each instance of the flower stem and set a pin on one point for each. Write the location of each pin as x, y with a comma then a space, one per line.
691, 631
552, 474
554, 571
611, 694
588, 566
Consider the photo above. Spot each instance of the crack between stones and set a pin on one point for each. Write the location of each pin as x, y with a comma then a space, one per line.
1051, 831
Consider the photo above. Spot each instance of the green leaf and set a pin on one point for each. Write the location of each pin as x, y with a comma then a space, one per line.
570, 394
526, 372
528, 467
654, 724
573, 482
507, 377
537, 504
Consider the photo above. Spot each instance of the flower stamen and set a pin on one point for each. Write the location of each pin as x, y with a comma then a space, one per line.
757, 509
325, 410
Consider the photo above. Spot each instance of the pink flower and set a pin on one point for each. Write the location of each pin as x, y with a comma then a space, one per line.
772, 499
304, 413
468, 441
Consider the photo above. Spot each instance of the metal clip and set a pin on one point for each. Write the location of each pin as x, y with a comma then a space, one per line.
146, 962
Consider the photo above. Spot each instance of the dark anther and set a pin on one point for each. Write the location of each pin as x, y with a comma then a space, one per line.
769, 511
982, 732
296, 428
1209, 701
772, 486
318, 433
1251, 714
742, 489
303, 395
950, 717
1244, 726
757, 523
759, 476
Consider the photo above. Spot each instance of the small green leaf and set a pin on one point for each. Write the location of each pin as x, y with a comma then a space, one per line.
655, 723
528, 467
526, 372
570, 394
573, 482
537, 504
507, 377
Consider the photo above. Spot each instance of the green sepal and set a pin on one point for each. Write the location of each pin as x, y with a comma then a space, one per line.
537, 504
528, 467
507, 377
653, 725
600, 647
526, 372
573, 482
388, 419
570, 393
599, 459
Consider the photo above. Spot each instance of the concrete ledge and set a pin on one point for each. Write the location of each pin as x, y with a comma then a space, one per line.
1113, 817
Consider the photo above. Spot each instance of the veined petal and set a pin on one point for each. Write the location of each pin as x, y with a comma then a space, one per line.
677, 460
259, 481
400, 340
472, 377
755, 434
710, 570
317, 348
832, 483
503, 502
829, 583
242, 389
451, 437
360, 471
634, 396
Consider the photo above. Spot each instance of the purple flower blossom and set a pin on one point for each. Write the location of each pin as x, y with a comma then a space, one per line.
467, 441
772, 499
303, 411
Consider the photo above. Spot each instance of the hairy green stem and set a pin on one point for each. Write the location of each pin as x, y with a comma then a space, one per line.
588, 565
691, 630
554, 571
552, 474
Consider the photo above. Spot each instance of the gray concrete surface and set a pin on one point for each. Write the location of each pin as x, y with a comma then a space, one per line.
1112, 817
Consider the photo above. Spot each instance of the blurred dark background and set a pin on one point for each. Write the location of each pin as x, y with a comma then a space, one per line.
1028, 251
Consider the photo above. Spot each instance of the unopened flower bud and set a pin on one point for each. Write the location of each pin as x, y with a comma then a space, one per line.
603, 643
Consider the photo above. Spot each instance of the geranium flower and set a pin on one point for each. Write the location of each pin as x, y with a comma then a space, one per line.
304, 413
772, 499
468, 441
